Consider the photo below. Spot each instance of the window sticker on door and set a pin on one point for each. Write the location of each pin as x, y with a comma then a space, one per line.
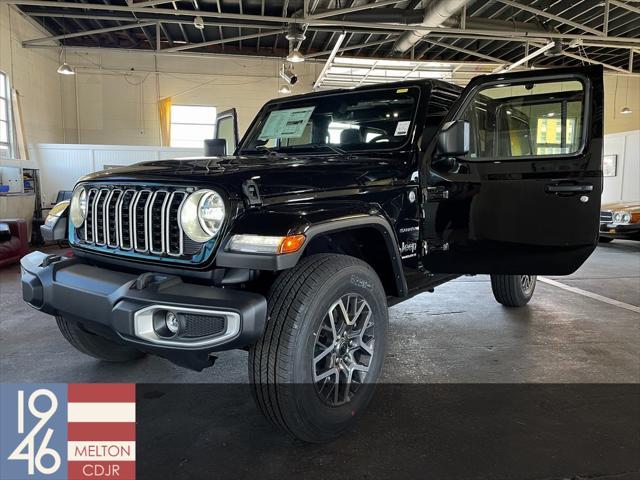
402, 128
289, 123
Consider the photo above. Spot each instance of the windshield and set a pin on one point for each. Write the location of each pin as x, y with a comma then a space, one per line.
343, 122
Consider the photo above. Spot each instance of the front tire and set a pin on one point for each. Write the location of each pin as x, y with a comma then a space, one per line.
513, 290
94, 345
314, 370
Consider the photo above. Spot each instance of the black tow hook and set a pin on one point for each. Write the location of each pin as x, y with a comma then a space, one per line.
160, 281
49, 259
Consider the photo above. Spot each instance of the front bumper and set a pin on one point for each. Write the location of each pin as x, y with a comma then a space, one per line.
622, 231
116, 305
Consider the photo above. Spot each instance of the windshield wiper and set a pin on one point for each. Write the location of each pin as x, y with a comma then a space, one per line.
272, 153
337, 150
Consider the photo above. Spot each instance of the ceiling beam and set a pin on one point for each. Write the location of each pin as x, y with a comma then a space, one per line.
631, 8
373, 67
88, 32
327, 64
463, 50
526, 58
342, 11
160, 19
202, 55
351, 47
587, 60
223, 40
222, 23
550, 16
148, 3
325, 22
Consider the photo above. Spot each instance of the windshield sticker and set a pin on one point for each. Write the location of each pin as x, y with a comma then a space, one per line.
288, 123
402, 128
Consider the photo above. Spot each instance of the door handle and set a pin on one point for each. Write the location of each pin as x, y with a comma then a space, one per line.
555, 188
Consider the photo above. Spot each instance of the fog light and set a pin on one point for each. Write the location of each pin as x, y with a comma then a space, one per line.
172, 323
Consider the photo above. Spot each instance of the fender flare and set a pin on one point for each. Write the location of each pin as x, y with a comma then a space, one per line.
271, 262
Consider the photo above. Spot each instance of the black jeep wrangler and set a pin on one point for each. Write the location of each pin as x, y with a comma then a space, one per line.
332, 207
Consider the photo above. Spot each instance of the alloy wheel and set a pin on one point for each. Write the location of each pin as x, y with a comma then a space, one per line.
527, 282
343, 350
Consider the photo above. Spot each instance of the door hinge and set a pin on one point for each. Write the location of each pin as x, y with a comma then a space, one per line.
427, 247
437, 193
251, 193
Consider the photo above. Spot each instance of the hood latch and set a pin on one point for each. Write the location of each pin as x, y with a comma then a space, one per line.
251, 193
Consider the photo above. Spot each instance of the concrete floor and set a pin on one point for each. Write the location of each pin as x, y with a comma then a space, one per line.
458, 334
472, 390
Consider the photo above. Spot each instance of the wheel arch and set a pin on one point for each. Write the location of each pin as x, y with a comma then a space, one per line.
366, 235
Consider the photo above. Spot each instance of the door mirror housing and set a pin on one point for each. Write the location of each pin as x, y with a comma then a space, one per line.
454, 139
215, 147
227, 129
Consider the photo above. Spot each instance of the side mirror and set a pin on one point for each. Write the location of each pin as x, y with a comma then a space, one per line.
454, 139
215, 147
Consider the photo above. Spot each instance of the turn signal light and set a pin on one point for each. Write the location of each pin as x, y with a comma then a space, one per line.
291, 243
246, 243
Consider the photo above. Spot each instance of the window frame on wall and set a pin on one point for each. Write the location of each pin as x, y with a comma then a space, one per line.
184, 142
6, 119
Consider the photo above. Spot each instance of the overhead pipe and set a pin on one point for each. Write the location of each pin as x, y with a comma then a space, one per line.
538, 29
493, 23
397, 16
439, 13
434, 15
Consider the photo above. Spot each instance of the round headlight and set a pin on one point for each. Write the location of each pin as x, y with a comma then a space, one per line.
626, 217
617, 217
78, 209
202, 215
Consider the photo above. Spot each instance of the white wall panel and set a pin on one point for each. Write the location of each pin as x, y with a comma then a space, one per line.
60, 168
104, 158
626, 184
168, 154
61, 165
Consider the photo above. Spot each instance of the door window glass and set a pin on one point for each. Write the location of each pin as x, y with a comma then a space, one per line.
532, 119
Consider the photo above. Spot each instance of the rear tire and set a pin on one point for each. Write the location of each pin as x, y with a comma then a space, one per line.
94, 345
309, 347
513, 290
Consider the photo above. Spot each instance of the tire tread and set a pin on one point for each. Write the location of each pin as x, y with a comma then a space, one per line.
270, 359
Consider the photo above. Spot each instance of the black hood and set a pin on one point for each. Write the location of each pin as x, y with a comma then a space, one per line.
274, 175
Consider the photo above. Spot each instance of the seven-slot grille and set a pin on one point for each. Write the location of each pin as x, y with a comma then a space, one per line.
606, 216
144, 220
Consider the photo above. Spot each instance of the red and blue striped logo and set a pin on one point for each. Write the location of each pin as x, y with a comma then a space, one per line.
74, 431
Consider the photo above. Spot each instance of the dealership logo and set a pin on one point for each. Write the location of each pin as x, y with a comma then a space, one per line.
60, 432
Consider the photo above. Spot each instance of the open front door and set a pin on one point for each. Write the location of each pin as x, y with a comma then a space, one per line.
227, 129
512, 183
